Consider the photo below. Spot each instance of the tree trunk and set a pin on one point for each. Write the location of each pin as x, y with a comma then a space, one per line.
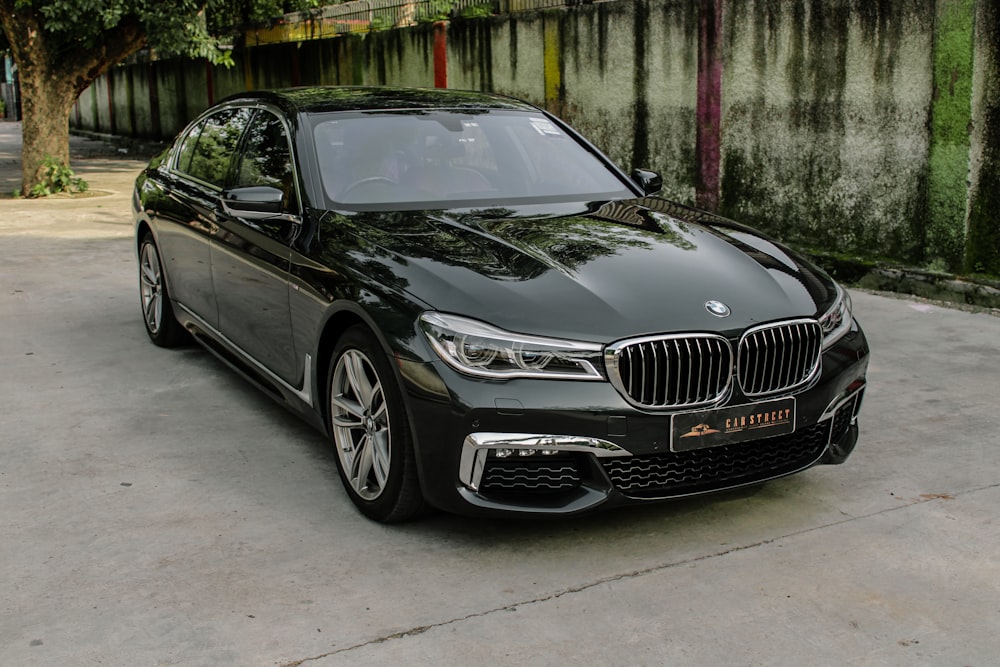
53, 71
45, 104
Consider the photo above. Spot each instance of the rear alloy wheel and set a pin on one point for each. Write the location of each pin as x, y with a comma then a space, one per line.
157, 313
370, 431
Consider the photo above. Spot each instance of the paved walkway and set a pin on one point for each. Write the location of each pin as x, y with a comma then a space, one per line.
109, 173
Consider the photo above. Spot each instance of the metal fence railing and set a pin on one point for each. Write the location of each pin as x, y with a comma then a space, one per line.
361, 16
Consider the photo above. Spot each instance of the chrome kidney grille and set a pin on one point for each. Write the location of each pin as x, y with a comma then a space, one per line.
780, 357
696, 370
671, 371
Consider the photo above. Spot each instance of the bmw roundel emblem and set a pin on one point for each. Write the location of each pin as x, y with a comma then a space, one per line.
717, 308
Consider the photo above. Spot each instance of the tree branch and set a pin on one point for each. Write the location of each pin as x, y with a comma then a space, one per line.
116, 44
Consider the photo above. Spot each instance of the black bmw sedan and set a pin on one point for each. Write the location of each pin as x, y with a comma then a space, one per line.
483, 312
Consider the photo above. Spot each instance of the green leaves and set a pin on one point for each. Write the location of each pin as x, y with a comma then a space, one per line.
57, 177
172, 27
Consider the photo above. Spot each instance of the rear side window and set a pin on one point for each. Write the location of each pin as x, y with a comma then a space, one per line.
207, 149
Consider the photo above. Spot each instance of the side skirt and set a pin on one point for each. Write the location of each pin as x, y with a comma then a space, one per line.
232, 354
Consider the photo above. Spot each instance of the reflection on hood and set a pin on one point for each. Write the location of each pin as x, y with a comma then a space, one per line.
609, 269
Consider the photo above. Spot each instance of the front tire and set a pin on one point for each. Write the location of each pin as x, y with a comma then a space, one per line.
370, 430
157, 312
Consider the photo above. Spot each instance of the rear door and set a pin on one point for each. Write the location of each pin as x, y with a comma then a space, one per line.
187, 216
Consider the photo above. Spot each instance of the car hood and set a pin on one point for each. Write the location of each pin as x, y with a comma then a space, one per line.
600, 273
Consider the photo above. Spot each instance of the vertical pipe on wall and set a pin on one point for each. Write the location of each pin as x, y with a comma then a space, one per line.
247, 70
640, 81
130, 100
209, 82
110, 80
708, 140
983, 226
95, 111
951, 115
441, 54
296, 65
551, 62
155, 130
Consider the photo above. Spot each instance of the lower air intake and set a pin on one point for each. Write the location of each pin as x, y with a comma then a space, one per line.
683, 473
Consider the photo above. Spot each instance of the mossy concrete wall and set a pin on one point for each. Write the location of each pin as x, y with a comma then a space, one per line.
826, 121
841, 125
983, 245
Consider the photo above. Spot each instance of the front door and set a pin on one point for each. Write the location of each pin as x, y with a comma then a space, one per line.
250, 258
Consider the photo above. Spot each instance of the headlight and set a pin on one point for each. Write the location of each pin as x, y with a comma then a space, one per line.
837, 321
476, 348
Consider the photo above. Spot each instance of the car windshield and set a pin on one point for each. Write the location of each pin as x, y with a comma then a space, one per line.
409, 160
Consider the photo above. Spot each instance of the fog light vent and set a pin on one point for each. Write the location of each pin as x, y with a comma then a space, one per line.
549, 474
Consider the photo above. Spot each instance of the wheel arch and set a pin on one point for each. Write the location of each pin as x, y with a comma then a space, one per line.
334, 327
342, 317
142, 227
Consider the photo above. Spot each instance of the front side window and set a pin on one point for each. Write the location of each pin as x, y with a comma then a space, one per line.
206, 151
267, 159
441, 158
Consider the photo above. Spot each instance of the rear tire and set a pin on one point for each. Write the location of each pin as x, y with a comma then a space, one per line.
157, 311
370, 430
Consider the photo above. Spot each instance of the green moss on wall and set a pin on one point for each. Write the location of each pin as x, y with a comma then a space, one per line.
946, 202
951, 114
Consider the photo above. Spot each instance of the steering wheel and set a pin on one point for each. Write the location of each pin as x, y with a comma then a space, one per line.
363, 181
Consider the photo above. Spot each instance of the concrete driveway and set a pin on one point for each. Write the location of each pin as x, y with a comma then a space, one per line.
157, 510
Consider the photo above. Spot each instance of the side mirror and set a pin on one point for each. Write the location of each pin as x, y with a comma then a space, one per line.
648, 181
254, 203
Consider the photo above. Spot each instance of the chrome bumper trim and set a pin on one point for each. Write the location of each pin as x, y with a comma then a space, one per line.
477, 446
837, 403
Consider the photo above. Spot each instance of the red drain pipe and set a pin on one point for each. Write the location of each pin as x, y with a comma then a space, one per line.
709, 111
441, 54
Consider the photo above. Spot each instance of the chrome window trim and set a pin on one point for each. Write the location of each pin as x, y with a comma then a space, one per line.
171, 162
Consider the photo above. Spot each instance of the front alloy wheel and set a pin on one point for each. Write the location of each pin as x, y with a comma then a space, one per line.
370, 430
361, 424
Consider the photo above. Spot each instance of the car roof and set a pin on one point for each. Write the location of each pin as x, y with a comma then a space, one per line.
321, 99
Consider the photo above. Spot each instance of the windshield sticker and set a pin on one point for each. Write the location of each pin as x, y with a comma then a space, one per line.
545, 127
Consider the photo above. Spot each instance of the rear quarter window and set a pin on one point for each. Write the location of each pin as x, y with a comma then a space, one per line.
207, 150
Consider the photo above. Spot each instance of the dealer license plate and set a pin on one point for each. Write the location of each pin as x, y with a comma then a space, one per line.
725, 426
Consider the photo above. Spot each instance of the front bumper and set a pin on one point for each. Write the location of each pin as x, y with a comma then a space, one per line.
564, 447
